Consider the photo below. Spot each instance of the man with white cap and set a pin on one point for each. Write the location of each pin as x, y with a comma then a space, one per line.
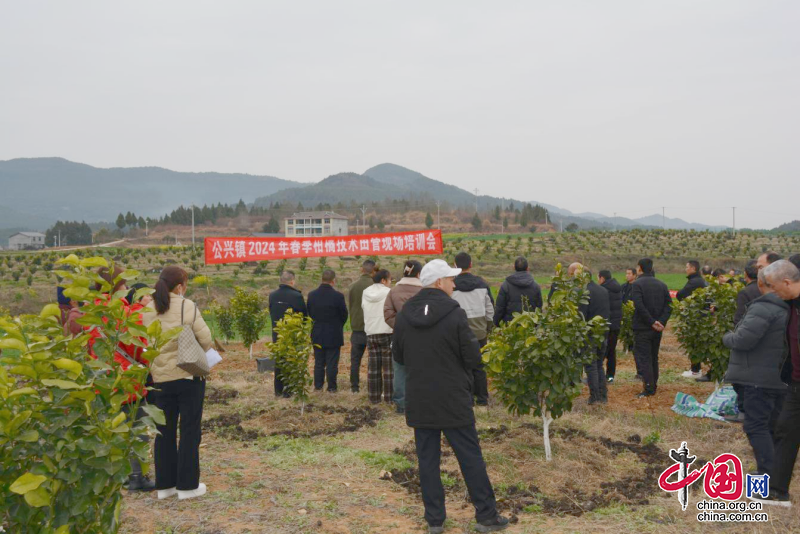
432, 338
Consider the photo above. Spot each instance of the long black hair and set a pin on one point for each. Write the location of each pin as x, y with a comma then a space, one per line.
171, 277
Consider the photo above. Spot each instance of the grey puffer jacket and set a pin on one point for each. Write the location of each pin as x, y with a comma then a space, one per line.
758, 344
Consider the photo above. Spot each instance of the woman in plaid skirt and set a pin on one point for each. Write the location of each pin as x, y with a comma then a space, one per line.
379, 338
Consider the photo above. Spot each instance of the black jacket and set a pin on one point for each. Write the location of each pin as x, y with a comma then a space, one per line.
651, 301
626, 292
743, 298
695, 281
598, 303
282, 299
326, 306
510, 297
432, 338
758, 344
615, 302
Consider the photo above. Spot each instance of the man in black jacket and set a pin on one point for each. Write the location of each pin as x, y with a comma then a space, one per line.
434, 342
630, 278
653, 307
608, 283
694, 282
285, 298
758, 350
597, 305
327, 308
519, 291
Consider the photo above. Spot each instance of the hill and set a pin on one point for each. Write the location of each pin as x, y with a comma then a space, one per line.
36, 192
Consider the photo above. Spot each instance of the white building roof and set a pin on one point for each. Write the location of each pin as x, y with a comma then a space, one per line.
29, 234
316, 215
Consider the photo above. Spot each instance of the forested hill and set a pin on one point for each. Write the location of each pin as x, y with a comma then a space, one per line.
36, 192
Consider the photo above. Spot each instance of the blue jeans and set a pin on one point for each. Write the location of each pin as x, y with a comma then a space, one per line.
399, 385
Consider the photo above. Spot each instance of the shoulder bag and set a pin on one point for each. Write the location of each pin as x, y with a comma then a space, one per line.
191, 356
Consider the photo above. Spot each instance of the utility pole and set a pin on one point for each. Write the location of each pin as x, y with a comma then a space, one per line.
562, 226
438, 221
192, 226
734, 220
663, 218
476, 200
146, 233
545, 217
59, 238
364, 218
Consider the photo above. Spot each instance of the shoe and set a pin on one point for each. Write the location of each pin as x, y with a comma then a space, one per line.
691, 374
637, 377
191, 494
603, 399
435, 530
400, 411
354, 390
592, 400
493, 525
167, 493
482, 403
775, 498
610, 379
140, 483
704, 378
644, 394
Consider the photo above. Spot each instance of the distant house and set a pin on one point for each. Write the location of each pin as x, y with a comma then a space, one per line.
26, 241
315, 224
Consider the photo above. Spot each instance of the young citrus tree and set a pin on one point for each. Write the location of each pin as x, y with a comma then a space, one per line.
64, 440
626, 327
536, 360
701, 320
291, 352
249, 317
225, 321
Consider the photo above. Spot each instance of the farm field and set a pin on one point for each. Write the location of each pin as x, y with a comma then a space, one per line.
347, 466
269, 470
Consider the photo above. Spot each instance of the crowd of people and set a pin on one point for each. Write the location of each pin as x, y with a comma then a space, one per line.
423, 338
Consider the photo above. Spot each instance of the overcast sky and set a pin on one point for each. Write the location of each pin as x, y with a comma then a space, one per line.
613, 106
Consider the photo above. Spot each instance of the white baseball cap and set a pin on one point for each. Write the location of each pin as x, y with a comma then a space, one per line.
436, 269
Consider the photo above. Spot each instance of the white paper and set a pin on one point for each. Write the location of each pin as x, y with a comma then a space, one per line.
213, 358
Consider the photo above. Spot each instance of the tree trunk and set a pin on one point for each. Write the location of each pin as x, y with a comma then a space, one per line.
546, 420
251, 352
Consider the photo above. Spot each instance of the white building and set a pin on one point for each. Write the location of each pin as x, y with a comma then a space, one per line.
26, 241
315, 224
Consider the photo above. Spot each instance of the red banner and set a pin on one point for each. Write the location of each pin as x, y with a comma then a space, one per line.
243, 249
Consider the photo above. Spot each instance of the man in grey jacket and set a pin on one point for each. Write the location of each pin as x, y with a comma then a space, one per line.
474, 296
758, 351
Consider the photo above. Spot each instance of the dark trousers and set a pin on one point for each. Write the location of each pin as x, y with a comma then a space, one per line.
136, 464
739, 389
277, 382
358, 344
787, 440
646, 344
596, 378
480, 385
762, 407
611, 352
178, 464
465, 444
326, 364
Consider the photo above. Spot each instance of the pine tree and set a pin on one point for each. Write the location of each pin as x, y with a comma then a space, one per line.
476, 222
428, 220
121, 221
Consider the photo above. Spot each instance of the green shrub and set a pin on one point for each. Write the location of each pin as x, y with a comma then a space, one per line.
248, 316
536, 360
64, 441
701, 320
291, 352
